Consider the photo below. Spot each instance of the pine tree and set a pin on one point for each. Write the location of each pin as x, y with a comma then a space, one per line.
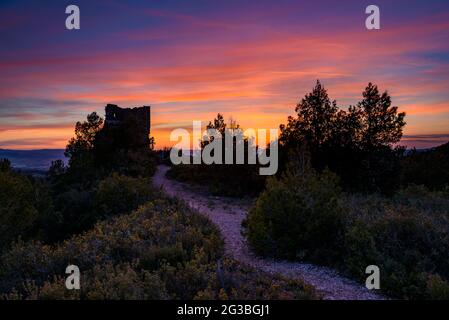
382, 124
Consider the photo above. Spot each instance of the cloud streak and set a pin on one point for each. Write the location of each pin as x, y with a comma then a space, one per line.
253, 62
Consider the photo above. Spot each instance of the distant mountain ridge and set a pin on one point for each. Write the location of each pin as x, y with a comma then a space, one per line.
33, 159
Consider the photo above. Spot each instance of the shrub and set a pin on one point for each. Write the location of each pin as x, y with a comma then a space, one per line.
24, 205
431, 202
408, 244
407, 236
232, 180
78, 207
437, 288
17, 206
427, 167
120, 194
298, 216
163, 250
75, 213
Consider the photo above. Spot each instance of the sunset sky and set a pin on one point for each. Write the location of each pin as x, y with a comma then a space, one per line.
252, 60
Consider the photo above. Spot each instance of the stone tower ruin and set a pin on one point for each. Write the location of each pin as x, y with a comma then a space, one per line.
117, 117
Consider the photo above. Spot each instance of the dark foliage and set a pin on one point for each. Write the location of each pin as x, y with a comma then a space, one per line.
298, 217
305, 217
96, 151
161, 251
235, 180
356, 144
429, 168
25, 206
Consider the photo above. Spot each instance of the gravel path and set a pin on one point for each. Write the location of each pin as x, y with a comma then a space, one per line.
228, 214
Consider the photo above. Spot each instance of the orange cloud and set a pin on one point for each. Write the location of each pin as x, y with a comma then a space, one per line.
258, 80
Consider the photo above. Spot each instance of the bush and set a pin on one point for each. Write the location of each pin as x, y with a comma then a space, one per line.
427, 167
298, 216
18, 211
163, 250
410, 245
437, 289
230, 180
431, 202
78, 208
24, 205
120, 194
407, 236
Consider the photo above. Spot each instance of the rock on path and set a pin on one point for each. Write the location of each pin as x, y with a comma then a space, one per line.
228, 216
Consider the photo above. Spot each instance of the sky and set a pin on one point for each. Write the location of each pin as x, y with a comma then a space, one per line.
250, 60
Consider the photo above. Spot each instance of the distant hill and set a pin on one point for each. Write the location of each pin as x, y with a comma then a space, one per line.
30, 160
429, 168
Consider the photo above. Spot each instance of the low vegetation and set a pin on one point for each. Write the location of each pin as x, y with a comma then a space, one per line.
38, 209
25, 205
163, 250
299, 216
306, 217
221, 180
429, 168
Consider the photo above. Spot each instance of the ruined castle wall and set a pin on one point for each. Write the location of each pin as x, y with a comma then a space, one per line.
116, 117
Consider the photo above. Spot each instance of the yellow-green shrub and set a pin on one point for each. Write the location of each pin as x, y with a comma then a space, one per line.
163, 250
298, 216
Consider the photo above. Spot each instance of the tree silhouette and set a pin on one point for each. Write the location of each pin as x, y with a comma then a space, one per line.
356, 143
381, 123
316, 119
85, 133
218, 124
79, 148
230, 179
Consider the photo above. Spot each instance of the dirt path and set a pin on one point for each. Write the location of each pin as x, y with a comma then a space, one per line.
228, 214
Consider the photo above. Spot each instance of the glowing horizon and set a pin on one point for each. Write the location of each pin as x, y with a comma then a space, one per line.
189, 61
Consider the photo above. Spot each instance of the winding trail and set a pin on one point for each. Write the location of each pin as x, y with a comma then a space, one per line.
228, 214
